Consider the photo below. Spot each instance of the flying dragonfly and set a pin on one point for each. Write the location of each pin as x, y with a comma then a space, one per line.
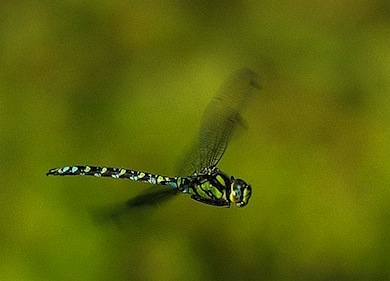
205, 182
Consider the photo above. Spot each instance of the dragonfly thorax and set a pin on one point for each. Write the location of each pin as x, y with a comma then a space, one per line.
213, 187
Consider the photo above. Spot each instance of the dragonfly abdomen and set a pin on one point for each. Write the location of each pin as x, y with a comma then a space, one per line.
120, 173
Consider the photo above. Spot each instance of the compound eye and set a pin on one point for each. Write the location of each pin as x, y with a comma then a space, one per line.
246, 194
240, 193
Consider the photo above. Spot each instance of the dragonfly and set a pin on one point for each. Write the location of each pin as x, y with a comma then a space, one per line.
202, 180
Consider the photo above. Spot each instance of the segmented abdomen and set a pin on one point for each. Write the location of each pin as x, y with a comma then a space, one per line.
120, 173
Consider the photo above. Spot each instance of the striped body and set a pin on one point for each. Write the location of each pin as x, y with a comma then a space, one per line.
211, 187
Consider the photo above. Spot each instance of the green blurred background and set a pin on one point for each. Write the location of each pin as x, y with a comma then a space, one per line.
124, 83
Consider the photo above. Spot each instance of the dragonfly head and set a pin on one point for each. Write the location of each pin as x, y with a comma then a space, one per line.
240, 192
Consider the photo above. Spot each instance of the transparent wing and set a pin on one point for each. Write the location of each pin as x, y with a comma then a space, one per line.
220, 117
151, 197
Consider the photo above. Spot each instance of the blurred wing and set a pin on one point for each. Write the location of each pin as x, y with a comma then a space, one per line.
153, 196
221, 115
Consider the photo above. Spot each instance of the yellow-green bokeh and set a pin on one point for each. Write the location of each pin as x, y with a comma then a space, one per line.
124, 83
